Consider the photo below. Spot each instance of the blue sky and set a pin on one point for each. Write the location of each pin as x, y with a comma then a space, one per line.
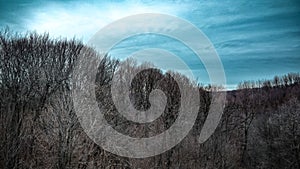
254, 39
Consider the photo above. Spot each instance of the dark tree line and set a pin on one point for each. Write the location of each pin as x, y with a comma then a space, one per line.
33, 68
39, 127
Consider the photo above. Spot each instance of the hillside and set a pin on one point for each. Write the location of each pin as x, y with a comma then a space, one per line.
39, 127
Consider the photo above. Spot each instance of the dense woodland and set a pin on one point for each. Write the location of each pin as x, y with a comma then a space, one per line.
260, 127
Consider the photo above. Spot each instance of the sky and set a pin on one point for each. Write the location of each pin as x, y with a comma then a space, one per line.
255, 39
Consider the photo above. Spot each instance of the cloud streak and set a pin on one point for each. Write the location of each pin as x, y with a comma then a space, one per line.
82, 19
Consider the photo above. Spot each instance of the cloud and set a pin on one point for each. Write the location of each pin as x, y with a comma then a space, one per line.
83, 19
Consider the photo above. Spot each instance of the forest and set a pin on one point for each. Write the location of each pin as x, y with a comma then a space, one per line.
260, 126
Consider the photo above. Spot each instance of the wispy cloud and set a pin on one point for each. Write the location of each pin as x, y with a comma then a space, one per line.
83, 19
